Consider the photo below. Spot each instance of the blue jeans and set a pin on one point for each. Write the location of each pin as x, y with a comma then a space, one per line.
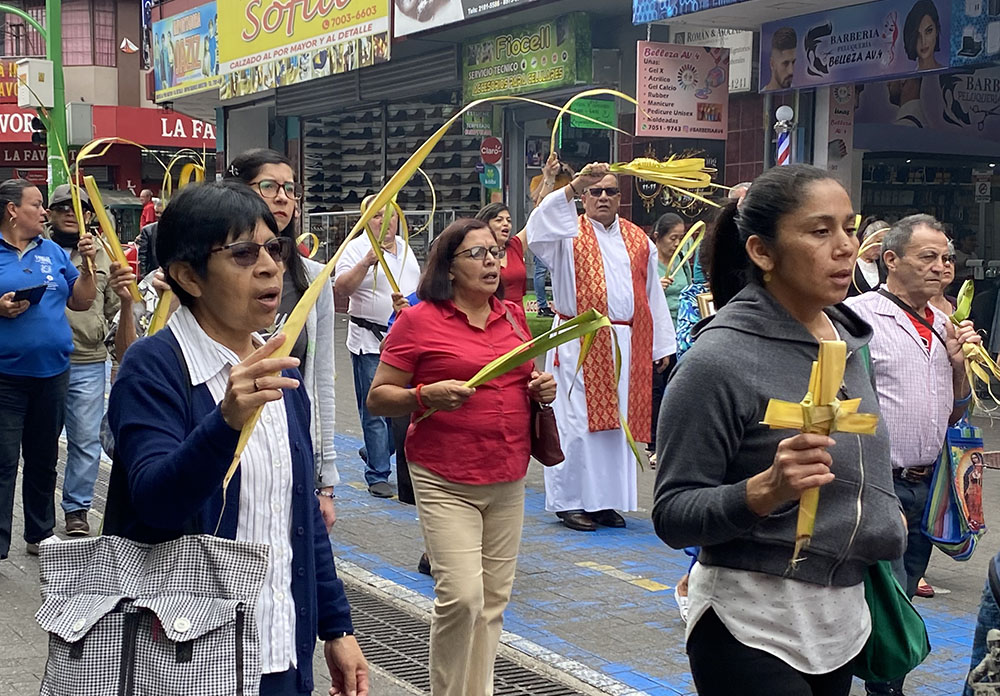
378, 434
539, 283
84, 408
989, 617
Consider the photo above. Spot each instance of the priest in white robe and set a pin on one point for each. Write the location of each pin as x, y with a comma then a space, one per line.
600, 261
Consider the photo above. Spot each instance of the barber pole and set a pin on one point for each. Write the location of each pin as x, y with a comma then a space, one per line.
784, 149
784, 122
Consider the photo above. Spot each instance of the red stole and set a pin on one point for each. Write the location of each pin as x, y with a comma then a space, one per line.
599, 367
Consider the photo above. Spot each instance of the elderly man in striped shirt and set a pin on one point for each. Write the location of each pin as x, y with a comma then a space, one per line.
918, 366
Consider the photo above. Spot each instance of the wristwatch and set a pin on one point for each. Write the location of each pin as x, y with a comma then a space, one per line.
325, 494
341, 634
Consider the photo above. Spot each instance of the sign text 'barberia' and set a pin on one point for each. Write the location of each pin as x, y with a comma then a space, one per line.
278, 15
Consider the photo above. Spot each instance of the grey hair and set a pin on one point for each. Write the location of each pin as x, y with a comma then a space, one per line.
898, 237
874, 228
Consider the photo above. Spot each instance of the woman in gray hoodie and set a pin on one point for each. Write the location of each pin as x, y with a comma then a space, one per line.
781, 264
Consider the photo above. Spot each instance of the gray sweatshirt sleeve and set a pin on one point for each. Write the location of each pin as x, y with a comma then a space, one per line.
698, 434
325, 410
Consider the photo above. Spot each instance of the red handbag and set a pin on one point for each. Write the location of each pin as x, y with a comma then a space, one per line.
545, 444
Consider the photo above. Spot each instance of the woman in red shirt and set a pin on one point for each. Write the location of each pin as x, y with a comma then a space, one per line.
513, 274
468, 459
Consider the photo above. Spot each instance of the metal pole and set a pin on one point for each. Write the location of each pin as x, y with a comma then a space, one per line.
57, 123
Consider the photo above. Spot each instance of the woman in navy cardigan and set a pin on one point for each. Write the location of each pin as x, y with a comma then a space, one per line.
176, 411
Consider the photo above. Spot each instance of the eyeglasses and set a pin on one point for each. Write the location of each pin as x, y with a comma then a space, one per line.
479, 252
269, 189
246, 254
66, 208
598, 190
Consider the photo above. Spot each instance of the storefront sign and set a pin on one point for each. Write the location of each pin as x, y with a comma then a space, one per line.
739, 43
185, 59
899, 114
874, 41
8, 82
982, 184
411, 16
841, 134
602, 110
15, 124
490, 177
38, 177
153, 127
683, 91
975, 32
265, 44
644, 11
491, 150
478, 122
530, 58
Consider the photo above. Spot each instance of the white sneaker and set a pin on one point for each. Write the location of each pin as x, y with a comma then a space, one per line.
683, 604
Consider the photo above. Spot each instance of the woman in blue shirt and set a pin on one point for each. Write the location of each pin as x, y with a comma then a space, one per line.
35, 344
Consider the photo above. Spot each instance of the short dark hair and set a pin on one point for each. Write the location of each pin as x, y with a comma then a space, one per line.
435, 286
784, 39
774, 194
245, 167
667, 222
911, 27
898, 237
490, 211
204, 216
12, 191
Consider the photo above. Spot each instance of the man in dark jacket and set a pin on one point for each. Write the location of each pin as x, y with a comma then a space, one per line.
146, 243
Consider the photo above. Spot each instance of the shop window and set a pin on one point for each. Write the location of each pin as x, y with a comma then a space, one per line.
20, 39
104, 33
78, 42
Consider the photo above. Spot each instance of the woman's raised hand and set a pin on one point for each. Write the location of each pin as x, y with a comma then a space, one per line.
255, 381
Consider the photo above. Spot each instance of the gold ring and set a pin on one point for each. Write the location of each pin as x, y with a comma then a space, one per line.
255, 387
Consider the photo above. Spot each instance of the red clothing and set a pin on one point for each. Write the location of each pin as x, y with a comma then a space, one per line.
148, 215
923, 331
487, 440
514, 275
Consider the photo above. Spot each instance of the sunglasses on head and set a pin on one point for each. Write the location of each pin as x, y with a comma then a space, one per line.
247, 253
596, 191
269, 189
479, 252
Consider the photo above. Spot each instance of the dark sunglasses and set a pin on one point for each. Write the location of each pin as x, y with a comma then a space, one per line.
479, 252
247, 253
66, 208
269, 189
610, 190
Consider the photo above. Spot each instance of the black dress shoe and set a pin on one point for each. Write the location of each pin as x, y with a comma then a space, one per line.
608, 518
424, 565
580, 521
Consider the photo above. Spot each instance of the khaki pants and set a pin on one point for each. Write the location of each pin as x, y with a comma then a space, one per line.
472, 535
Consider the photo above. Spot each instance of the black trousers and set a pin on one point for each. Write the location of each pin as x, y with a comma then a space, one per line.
722, 666
32, 412
404, 487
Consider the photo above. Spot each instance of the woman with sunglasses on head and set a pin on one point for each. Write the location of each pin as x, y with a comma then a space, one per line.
176, 411
270, 174
470, 493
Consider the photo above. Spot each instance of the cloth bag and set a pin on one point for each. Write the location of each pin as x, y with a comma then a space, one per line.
953, 519
898, 641
175, 618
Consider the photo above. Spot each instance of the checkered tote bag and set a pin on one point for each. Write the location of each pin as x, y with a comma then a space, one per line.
175, 618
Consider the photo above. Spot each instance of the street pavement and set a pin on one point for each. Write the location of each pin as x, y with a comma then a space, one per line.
597, 607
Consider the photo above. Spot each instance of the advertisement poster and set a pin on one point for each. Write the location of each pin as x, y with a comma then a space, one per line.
411, 16
878, 40
530, 58
683, 91
739, 43
644, 11
265, 44
8, 82
841, 138
185, 54
964, 105
975, 32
